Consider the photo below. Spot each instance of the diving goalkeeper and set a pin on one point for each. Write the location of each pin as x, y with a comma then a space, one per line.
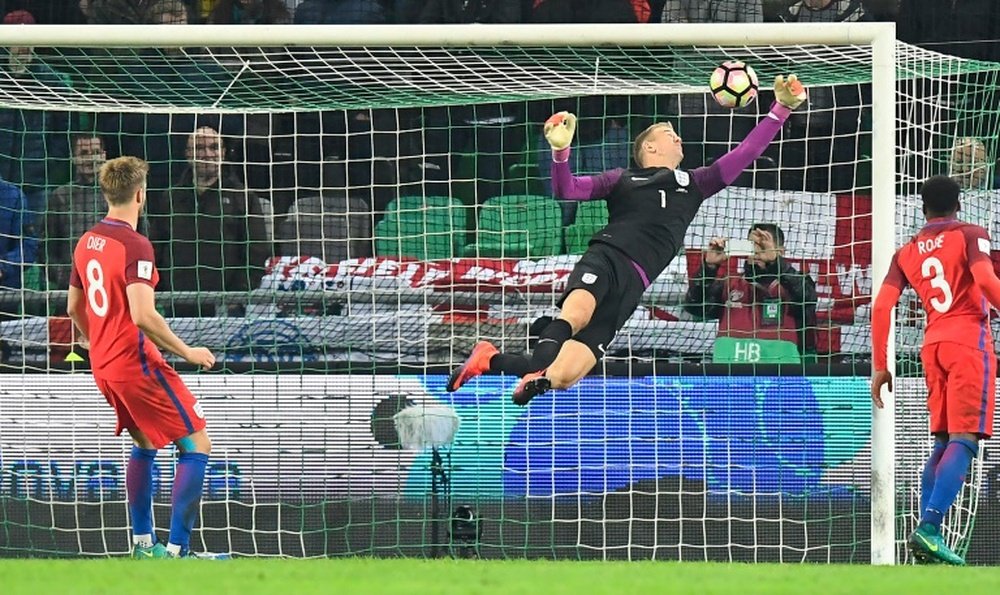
650, 208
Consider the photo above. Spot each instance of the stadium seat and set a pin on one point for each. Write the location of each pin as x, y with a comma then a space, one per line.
523, 176
425, 228
330, 227
591, 216
518, 226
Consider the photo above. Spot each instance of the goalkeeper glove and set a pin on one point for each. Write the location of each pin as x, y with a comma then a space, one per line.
559, 130
790, 94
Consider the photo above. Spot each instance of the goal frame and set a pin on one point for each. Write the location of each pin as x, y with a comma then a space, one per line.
880, 36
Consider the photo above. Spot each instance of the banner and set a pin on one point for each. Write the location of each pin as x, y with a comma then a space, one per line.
287, 437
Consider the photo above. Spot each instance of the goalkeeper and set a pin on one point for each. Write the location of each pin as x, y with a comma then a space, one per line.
650, 208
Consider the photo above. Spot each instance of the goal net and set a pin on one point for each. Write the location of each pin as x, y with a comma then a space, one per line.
341, 224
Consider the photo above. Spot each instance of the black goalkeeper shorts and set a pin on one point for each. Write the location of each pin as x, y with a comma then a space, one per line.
611, 277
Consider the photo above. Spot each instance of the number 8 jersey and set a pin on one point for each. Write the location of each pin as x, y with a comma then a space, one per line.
108, 258
937, 264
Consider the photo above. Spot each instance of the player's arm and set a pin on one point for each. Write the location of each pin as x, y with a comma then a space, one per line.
142, 307
977, 250
711, 179
75, 307
986, 278
559, 131
705, 297
888, 297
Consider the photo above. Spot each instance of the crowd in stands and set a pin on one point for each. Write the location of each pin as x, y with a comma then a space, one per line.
227, 192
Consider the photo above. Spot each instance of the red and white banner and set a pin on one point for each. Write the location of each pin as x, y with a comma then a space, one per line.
290, 273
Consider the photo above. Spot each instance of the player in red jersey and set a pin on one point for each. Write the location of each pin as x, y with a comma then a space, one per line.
111, 303
948, 264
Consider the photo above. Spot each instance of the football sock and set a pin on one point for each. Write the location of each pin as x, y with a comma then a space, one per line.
139, 486
930, 471
951, 470
510, 363
550, 341
186, 496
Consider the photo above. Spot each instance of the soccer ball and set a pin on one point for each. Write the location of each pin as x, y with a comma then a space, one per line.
733, 84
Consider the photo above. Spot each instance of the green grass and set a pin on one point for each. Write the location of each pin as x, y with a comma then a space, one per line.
359, 575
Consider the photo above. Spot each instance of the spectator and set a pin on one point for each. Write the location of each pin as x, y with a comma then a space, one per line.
825, 11
153, 75
18, 241
590, 11
970, 164
209, 228
470, 11
119, 12
340, 12
249, 12
169, 12
769, 302
712, 11
73, 209
87, 11
34, 149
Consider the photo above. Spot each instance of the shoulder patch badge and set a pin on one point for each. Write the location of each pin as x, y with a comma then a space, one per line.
144, 270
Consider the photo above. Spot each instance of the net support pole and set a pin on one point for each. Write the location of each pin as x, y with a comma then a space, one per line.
883, 510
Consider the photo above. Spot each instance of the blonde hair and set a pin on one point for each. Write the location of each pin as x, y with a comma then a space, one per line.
120, 178
637, 146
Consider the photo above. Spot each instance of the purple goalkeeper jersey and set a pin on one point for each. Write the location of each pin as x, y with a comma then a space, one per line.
650, 209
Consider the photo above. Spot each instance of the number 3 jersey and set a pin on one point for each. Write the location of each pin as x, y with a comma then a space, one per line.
108, 258
936, 263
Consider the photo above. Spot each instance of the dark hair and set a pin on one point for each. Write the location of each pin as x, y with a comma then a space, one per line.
940, 195
774, 230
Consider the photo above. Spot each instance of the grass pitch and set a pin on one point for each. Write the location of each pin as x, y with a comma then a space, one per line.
386, 576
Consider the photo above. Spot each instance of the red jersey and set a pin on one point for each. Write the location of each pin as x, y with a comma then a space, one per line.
936, 263
109, 257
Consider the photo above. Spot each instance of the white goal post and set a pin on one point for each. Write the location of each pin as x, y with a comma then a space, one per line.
879, 36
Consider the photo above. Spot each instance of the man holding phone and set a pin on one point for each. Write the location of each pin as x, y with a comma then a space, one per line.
767, 314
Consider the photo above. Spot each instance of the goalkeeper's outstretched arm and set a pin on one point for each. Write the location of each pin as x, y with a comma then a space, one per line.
789, 95
559, 131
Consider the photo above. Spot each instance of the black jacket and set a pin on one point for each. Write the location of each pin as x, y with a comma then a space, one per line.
213, 241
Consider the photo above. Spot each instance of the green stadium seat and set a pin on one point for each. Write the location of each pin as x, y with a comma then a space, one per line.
518, 226
523, 176
421, 227
591, 217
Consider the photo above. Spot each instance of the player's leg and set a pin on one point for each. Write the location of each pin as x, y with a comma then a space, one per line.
604, 319
968, 410
188, 483
936, 378
574, 361
139, 490
577, 309
929, 473
592, 278
138, 472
